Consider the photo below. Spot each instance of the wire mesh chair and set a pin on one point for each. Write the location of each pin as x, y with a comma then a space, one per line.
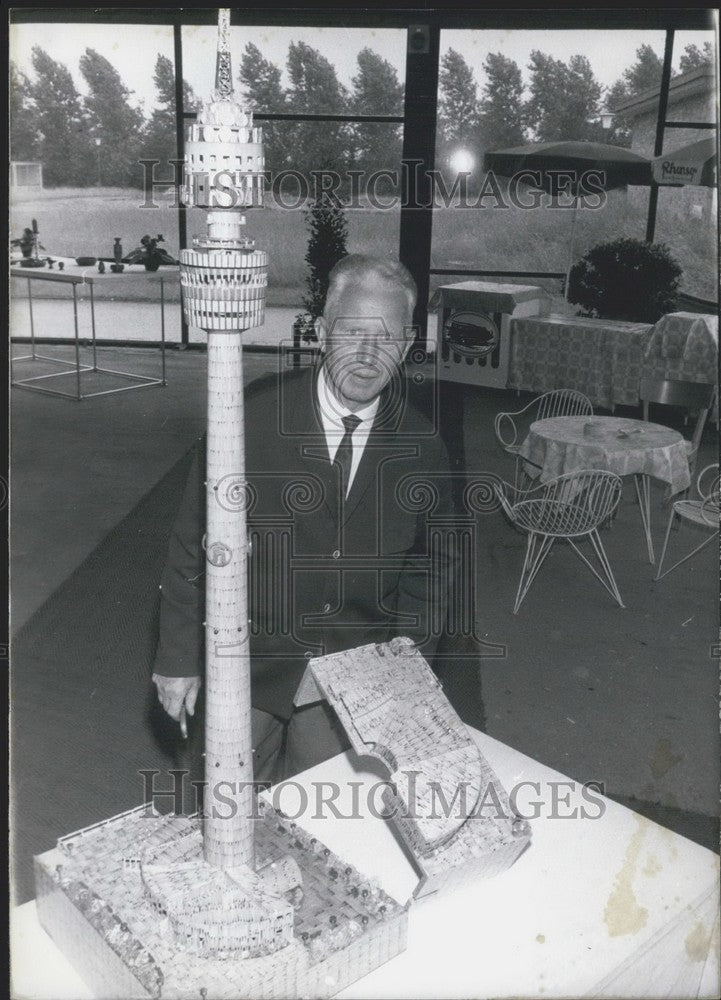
512, 428
569, 507
703, 512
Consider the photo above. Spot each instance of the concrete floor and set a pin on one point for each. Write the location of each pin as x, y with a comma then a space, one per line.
627, 697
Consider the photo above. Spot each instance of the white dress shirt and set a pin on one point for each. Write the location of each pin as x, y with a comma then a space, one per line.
331, 413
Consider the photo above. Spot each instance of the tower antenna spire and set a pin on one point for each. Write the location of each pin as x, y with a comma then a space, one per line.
223, 67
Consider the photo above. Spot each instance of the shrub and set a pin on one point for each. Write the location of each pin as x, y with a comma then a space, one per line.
626, 279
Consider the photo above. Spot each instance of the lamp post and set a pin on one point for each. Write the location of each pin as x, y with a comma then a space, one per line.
606, 117
98, 158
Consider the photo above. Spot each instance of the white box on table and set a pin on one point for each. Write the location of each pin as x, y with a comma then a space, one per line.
473, 328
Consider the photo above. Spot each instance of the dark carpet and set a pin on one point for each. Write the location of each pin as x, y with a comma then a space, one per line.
84, 720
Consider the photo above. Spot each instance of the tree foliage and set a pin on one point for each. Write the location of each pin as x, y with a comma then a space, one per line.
645, 73
564, 99
458, 101
693, 57
113, 121
548, 83
376, 91
502, 118
261, 85
159, 134
51, 122
315, 88
64, 146
24, 138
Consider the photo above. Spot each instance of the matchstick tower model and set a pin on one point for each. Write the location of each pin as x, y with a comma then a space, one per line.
223, 280
242, 902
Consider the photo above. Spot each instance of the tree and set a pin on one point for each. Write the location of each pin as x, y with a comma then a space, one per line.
63, 147
159, 139
24, 139
376, 91
262, 89
458, 125
548, 87
645, 73
458, 103
582, 101
564, 101
502, 112
315, 88
116, 128
620, 131
693, 58
260, 81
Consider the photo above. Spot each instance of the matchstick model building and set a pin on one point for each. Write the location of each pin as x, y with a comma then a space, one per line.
243, 902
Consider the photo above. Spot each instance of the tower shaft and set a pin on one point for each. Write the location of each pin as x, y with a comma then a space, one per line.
223, 281
228, 837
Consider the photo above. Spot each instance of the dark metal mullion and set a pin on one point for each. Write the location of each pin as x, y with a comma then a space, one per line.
660, 126
521, 17
180, 154
292, 117
273, 116
689, 124
418, 161
497, 274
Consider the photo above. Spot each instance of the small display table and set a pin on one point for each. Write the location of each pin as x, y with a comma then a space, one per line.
75, 277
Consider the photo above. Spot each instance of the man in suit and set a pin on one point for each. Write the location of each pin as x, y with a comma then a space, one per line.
343, 474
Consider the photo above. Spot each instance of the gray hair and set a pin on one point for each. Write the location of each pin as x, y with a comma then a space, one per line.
355, 269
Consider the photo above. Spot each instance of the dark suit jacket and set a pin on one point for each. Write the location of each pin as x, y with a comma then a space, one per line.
325, 573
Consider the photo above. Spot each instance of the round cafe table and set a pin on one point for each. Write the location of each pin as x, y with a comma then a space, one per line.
625, 446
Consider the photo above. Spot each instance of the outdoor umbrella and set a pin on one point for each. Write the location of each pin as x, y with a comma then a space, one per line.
615, 166
695, 163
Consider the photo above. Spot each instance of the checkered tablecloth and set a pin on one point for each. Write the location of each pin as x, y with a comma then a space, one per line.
600, 358
560, 445
683, 346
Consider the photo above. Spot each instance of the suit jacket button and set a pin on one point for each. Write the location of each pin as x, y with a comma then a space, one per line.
326, 608
336, 554
308, 654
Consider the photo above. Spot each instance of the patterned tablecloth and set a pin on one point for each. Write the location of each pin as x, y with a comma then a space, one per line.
683, 346
570, 444
601, 358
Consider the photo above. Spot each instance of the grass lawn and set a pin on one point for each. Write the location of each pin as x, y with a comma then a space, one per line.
85, 220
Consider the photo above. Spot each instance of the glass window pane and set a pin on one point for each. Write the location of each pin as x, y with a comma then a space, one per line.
370, 203
89, 103
501, 89
310, 71
330, 70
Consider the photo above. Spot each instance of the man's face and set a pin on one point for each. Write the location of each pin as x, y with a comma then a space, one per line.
365, 342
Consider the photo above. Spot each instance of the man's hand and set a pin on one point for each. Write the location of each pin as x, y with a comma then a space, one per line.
174, 692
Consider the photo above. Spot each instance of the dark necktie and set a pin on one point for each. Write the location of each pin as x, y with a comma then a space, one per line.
344, 455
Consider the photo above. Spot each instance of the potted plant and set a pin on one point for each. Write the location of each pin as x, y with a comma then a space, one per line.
327, 244
626, 279
149, 254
